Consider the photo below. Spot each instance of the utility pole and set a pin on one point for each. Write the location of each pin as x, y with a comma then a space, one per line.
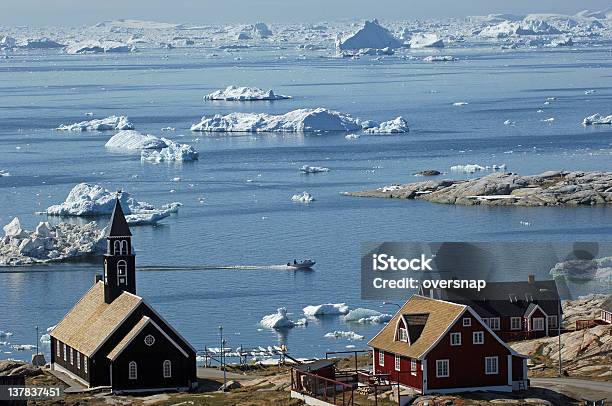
559, 334
223, 357
36, 340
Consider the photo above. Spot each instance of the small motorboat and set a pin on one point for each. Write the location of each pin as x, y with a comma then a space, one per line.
307, 263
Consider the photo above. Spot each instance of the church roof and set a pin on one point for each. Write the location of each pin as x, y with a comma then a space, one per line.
92, 321
118, 224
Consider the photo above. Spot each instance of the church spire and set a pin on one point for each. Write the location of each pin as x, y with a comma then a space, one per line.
118, 224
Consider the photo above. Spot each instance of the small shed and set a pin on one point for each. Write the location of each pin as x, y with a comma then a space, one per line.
324, 368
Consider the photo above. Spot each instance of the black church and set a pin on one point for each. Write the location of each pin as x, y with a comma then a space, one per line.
113, 338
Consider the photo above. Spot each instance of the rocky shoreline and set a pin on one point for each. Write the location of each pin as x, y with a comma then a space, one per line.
552, 188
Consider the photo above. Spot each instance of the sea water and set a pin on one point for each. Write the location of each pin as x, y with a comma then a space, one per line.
238, 214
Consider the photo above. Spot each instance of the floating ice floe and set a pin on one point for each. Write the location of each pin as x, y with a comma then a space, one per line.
395, 126
104, 124
459, 104
440, 58
371, 35
131, 140
257, 30
5, 334
94, 200
280, 320
561, 42
235, 93
352, 136
349, 335
509, 122
98, 47
361, 315
301, 120
473, 168
23, 347
326, 309
548, 120
49, 243
529, 26
45, 338
7, 42
172, 152
304, 197
597, 119
313, 169
4, 173
426, 40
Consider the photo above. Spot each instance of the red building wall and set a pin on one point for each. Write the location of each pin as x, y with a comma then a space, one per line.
467, 361
405, 377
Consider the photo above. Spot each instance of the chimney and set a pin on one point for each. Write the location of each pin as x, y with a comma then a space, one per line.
531, 279
97, 278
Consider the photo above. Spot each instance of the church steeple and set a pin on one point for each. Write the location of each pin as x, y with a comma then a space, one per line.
119, 262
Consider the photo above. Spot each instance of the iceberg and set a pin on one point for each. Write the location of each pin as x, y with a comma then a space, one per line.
395, 126
4, 173
277, 320
426, 40
439, 58
530, 25
313, 169
7, 42
94, 200
172, 152
49, 243
104, 124
349, 335
305, 197
371, 35
301, 120
459, 104
234, 93
361, 315
40, 43
97, 47
473, 168
132, 140
257, 30
326, 309
597, 119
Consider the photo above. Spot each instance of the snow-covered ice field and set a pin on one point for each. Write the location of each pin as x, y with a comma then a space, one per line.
508, 76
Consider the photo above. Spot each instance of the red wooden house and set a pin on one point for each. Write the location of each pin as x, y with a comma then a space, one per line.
436, 346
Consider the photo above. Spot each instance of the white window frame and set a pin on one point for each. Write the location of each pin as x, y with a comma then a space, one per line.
552, 321
132, 370
122, 278
536, 326
403, 334
413, 367
513, 326
494, 323
441, 363
467, 321
65, 353
71, 356
494, 362
398, 362
455, 339
167, 368
381, 358
78, 357
85, 363
478, 334
58, 352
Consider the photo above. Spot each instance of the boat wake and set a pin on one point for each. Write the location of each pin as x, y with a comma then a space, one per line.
281, 267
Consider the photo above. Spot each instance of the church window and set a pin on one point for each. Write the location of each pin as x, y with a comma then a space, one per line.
121, 272
167, 369
132, 370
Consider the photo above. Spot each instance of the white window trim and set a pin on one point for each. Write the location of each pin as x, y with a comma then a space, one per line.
381, 358
413, 367
520, 323
485, 320
85, 363
478, 334
467, 322
58, 352
65, 353
135, 374
539, 319
398, 362
71, 356
78, 357
496, 326
441, 362
496, 371
403, 334
167, 363
453, 342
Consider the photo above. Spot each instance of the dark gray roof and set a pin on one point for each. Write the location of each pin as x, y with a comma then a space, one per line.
316, 365
118, 224
607, 304
505, 298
